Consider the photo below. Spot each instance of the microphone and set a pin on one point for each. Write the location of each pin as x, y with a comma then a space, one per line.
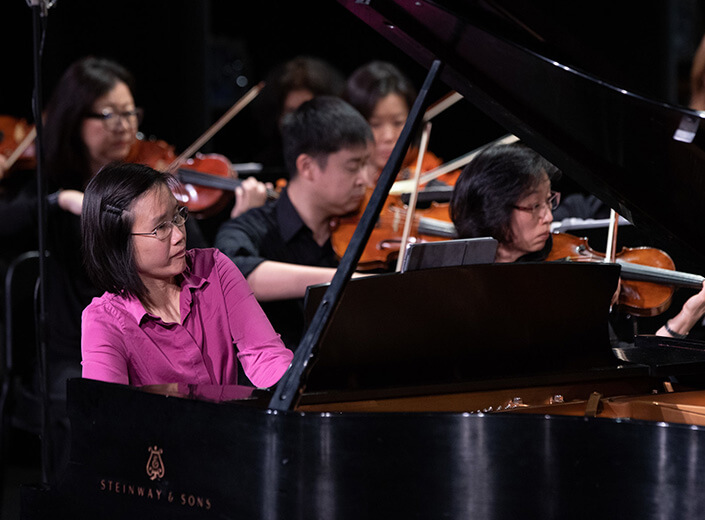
45, 5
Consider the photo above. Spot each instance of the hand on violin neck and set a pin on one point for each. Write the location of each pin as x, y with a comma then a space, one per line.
71, 201
691, 313
693, 310
695, 305
250, 194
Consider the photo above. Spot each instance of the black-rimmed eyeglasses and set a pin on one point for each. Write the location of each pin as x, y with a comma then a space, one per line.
112, 119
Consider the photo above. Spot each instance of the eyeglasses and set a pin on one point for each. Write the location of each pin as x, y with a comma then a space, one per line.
163, 231
551, 203
112, 120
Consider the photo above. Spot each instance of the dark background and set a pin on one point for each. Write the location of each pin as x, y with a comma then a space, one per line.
193, 59
188, 56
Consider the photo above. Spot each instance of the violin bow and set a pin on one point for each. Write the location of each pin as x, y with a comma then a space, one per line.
442, 104
28, 139
414, 194
220, 123
406, 186
611, 249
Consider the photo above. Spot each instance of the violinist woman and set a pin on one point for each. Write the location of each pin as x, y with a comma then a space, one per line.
505, 193
91, 120
168, 314
384, 96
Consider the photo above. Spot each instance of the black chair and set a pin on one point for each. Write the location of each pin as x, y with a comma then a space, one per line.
20, 402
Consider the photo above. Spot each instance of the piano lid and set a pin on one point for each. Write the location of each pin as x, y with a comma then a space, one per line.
644, 158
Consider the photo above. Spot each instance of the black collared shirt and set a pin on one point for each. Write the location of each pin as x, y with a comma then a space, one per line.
275, 232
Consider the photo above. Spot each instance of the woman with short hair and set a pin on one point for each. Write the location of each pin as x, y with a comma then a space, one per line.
505, 193
168, 314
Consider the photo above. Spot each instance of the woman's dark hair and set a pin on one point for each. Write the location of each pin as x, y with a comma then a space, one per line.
106, 225
299, 73
307, 73
488, 187
374, 81
82, 84
322, 126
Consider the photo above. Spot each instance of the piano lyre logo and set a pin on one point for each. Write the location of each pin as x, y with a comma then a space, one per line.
155, 465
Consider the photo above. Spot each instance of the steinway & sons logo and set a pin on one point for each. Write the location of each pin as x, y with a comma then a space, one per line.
155, 466
155, 471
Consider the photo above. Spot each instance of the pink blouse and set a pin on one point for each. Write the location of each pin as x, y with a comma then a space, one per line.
221, 323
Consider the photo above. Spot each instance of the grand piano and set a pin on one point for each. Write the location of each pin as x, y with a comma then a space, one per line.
489, 391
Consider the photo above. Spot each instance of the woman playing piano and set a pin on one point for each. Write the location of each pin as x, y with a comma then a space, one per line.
505, 193
168, 314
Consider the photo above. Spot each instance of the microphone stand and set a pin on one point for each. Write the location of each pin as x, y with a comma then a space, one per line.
39, 13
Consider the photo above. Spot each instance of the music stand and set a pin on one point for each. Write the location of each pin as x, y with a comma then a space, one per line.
464, 251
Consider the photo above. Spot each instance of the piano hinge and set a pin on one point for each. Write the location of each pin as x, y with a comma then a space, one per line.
593, 405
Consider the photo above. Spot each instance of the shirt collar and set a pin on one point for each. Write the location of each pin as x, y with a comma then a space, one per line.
289, 221
134, 307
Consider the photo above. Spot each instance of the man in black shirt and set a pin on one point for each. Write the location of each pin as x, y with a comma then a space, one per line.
284, 247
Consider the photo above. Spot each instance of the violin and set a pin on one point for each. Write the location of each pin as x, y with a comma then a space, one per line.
206, 181
648, 275
201, 202
432, 224
382, 248
397, 224
155, 153
17, 143
207, 184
